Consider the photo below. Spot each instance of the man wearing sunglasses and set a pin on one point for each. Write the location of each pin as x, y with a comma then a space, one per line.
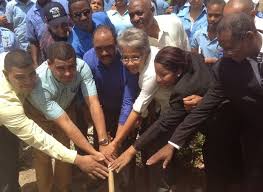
85, 22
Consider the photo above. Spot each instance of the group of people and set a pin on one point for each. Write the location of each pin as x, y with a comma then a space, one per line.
147, 75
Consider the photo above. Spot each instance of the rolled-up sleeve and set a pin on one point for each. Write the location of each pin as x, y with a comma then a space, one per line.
129, 95
15, 120
148, 89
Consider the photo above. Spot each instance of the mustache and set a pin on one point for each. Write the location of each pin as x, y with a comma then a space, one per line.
140, 21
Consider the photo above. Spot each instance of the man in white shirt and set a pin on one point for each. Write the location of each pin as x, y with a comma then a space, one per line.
163, 30
18, 78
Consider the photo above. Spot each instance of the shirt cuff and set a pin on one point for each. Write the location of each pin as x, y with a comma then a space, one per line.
174, 145
69, 156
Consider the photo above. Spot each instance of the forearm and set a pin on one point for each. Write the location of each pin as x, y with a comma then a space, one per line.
124, 131
73, 133
33, 135
35, 53
148, 136
99, 121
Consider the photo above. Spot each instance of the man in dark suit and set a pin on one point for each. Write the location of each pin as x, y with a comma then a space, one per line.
238, 77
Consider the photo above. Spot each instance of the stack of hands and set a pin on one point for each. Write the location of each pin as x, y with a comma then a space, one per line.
98, 164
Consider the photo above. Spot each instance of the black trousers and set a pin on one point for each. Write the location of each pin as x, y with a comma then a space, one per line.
8, 161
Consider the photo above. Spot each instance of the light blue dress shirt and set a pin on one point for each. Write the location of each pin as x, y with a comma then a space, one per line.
108, 4
8, 41
52, 97
162, 5
2, 7
208, 48
120, 22
189, 26
16, 14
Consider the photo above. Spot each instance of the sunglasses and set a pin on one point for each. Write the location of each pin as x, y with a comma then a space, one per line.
85, 13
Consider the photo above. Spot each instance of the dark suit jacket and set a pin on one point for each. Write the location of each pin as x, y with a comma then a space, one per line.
233, 81
195, 81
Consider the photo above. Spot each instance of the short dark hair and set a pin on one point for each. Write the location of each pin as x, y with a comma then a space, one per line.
70, 2
174, 59
60, 50
238, 24
17, 58
105, 28
216, 2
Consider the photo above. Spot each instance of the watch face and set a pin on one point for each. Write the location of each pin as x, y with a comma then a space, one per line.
104, 142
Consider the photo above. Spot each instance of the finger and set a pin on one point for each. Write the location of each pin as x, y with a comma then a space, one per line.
154, 159
121, 166
98, 175
187, 98
102, 167
165, 163
107, 162
92, 176
114, 165
109, 158
102, 172
189, 102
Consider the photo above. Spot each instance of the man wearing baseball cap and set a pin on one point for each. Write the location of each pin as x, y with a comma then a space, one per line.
57, 26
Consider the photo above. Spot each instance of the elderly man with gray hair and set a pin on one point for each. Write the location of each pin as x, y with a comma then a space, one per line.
162, 30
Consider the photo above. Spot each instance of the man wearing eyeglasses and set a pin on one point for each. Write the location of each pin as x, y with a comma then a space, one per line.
85, 22
116, 86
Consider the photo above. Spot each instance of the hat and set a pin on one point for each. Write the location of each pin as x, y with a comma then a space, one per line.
55, 13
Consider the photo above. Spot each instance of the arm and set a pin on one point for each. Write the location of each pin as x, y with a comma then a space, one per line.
15, 120
130, 92
27, 130
8, 18
181, 134
34, 44
72, 131
35, 51
97, 116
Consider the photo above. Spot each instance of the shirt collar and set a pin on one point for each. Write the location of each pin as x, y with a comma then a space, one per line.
19, 2
186, 9
114, 12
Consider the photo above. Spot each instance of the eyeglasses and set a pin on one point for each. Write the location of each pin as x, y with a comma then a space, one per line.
85, 13
131, 59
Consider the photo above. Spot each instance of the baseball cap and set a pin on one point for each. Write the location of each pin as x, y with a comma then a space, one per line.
55, 13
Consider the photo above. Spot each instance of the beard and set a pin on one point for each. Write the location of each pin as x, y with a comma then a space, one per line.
57, 38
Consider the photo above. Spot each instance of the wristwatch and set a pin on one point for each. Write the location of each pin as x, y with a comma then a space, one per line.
104, 142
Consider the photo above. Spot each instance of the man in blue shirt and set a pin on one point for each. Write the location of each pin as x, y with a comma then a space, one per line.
84, 24
113, 81
108, 4
16, 15
116, 87
193, 16
8, 41
205, 41
162, 5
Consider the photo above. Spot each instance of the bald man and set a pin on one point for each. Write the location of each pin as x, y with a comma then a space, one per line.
163, 30
246, 6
